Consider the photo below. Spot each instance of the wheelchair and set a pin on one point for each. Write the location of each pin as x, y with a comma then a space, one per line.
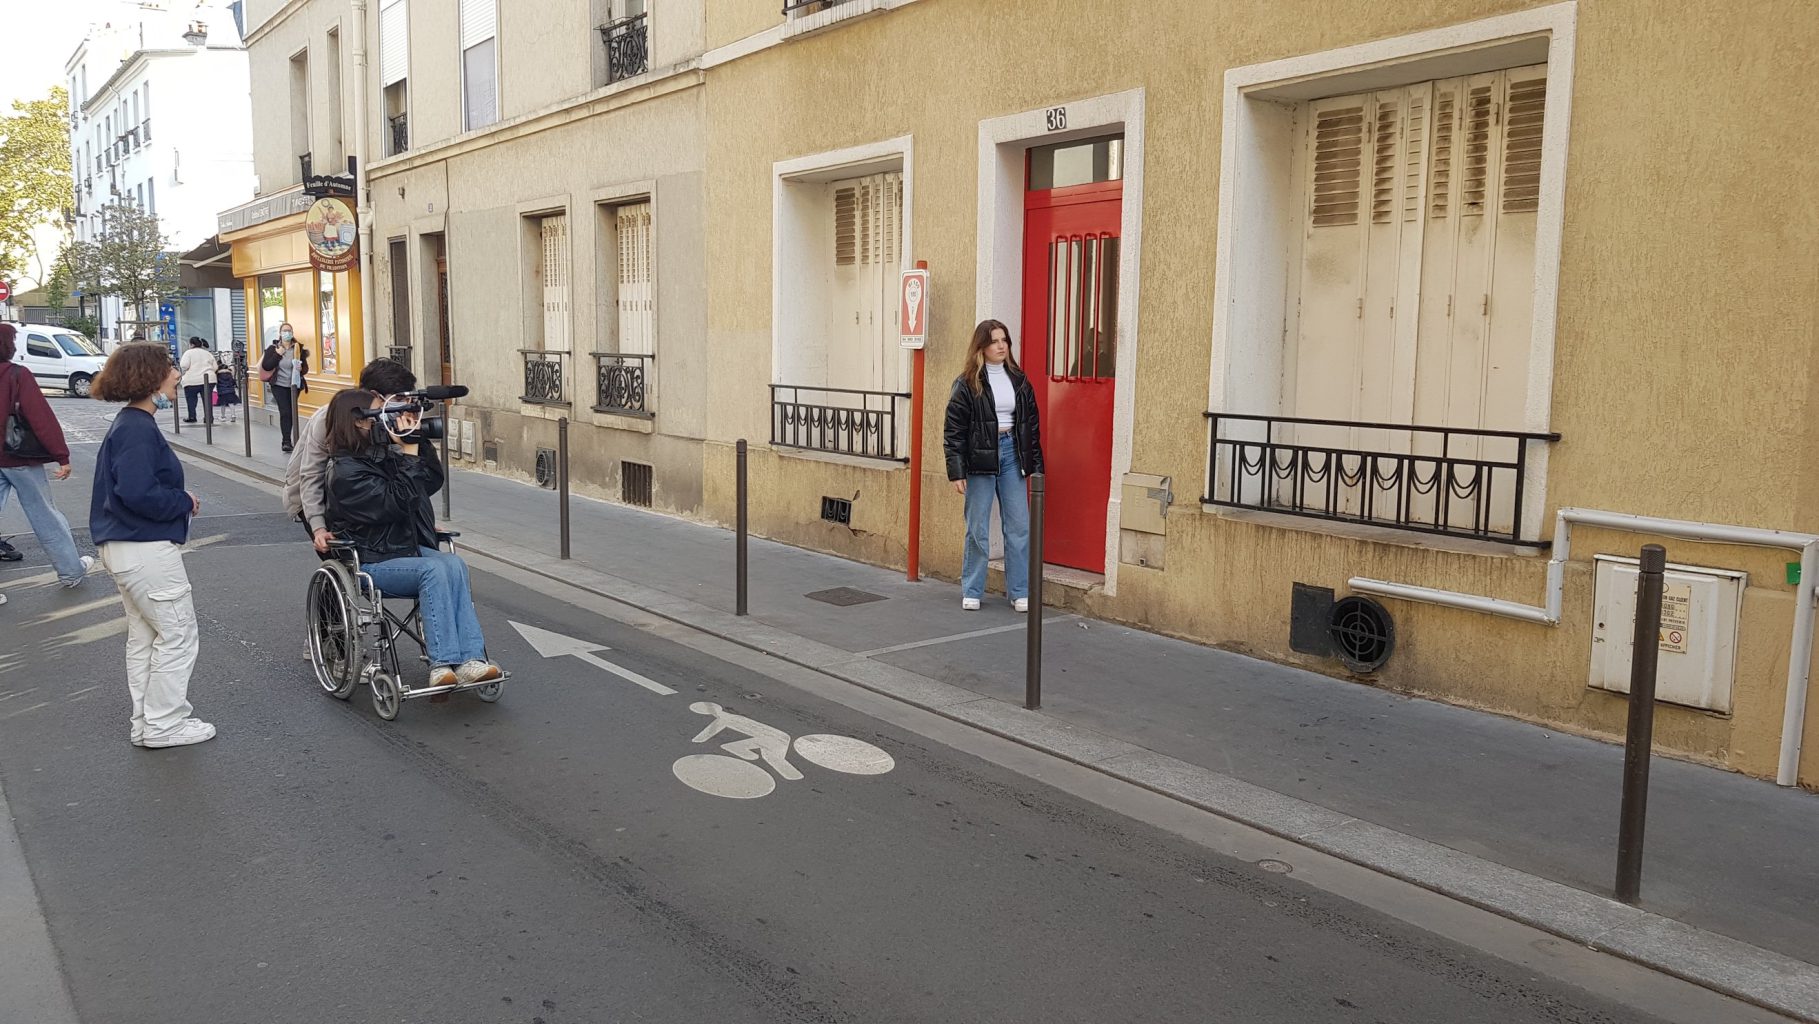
354, 634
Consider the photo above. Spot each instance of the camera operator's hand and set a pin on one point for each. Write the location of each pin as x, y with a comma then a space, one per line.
404, 424
321, 538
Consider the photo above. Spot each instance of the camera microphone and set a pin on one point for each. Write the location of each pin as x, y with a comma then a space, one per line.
443, 392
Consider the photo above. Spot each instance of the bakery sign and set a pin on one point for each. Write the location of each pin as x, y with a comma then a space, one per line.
334, 237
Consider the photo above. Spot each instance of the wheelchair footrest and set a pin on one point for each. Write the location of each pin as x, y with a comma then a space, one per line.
431, 691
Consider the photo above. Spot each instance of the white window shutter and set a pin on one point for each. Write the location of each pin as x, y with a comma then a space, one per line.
637, 332
553, 231
1509, 307
479, 22
1322, 379
394, 43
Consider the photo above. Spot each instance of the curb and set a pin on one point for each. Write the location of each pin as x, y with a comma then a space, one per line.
1738, 969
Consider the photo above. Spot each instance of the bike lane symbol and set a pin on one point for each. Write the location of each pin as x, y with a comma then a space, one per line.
738, 778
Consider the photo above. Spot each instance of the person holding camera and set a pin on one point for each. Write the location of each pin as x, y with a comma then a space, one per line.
305, 484
381, 476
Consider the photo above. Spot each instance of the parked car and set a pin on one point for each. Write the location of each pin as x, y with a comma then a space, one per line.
58, 357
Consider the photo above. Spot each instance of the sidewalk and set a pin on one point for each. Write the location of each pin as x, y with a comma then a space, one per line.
1510, 816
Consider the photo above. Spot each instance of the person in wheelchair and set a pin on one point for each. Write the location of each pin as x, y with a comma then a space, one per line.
381, 475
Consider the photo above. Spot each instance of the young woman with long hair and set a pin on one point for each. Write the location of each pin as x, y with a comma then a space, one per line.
993, 440
139, 517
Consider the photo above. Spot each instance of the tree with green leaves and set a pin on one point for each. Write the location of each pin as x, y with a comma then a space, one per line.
36, 186
132, 260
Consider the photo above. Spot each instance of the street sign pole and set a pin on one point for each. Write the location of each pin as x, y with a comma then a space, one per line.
912, 326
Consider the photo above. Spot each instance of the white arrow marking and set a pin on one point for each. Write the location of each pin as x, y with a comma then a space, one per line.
555, 645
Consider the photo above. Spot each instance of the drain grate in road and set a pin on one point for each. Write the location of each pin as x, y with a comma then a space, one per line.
844, 597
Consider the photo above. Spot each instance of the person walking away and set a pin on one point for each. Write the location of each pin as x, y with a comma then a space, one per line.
198, 369
227, 391
993, 440
286, 369
139, 515
33, 440
379, 498
306, 477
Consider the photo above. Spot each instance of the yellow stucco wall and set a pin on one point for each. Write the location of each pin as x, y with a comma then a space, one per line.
1684, 382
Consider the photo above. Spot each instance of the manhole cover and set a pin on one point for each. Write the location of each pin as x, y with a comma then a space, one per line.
844, 597
1275, 867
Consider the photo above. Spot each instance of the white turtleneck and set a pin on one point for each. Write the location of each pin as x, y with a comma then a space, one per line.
1004, 394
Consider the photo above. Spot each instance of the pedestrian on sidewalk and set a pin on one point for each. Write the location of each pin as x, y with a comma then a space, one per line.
227, 391
306, 477
379, 490
34, 440
139, 515
993, 441
285, 369
198, 368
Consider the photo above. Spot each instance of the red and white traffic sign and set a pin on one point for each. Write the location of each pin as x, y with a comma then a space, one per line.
6, 291
912, 308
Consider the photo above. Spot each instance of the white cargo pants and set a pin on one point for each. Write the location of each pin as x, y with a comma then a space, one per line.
161, 635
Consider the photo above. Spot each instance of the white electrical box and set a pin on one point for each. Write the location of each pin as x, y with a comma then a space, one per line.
1700, 610
467, 438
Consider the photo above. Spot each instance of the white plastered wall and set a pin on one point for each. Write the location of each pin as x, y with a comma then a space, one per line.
1260, 198
1003, 141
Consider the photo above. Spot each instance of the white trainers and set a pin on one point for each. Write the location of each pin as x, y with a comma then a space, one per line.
477, 671
193, 730
1021, 604
88, 564
969, 604
443, 675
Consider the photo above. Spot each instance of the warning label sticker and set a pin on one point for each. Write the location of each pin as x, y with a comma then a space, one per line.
1676, 616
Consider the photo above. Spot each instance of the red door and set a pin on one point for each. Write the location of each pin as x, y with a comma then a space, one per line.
1069, 350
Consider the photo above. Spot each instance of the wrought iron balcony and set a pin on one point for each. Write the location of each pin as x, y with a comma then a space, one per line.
545, 377
1438, 480
841, 421
399, 353
809, 6
628, 47
620, 380
400, 139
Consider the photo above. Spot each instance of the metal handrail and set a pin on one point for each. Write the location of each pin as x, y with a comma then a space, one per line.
1359, 425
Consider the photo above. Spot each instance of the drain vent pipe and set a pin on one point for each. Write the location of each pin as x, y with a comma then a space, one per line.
1800, 656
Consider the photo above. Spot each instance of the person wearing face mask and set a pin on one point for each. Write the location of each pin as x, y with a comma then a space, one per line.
993, 440
285, 369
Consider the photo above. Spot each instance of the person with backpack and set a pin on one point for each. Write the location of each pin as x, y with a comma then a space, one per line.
33, 440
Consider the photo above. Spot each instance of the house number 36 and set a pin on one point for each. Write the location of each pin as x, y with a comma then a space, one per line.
1057, 118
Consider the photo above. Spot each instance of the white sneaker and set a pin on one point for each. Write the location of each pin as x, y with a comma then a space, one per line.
88, 564
1021, 604
193, 730
969, 604
477, 671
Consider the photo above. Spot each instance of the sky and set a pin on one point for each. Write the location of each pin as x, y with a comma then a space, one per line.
39, 38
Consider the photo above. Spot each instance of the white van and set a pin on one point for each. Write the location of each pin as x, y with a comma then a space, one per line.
58, 357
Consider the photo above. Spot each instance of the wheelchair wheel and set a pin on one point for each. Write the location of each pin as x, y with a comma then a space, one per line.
334, 630
490, 693
387, 696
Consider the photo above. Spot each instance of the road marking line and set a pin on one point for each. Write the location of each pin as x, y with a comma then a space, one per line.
19, 693
84, 690
626, 674
957, 636
76, 609
23, 711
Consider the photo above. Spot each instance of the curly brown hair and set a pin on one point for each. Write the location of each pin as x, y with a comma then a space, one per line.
135, 371
7, 334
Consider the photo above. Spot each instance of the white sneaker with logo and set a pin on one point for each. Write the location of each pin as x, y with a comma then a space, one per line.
88, 564
193, 730
477, 671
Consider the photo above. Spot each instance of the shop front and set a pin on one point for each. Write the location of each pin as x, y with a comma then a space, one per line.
271, 239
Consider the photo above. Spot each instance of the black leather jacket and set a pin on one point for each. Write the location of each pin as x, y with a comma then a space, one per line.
970, 436
379, 499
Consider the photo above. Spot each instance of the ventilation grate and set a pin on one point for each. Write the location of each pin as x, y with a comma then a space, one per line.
1363, 634
546, 467
837, 510
844, 597
635, 484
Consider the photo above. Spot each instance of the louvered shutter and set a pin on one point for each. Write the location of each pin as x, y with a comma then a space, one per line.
636, 322
394, 43
553, 232
479, 63
479, 22
1325, 370
1510, 316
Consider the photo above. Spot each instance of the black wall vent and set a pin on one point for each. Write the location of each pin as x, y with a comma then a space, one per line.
837, 510
546, 467
1363, 634
1310, 620
635, 484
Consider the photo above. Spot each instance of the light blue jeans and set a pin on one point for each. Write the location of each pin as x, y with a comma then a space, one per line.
1014, 515
33, 485
438, 580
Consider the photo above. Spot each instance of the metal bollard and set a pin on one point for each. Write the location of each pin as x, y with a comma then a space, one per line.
1639, 736
177, 412
1032, 661
208, 413
246, 408
562, 477
740, 582
448, 474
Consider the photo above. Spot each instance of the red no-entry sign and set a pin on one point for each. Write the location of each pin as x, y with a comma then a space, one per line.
6, 291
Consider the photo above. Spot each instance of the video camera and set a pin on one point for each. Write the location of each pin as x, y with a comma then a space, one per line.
421, 401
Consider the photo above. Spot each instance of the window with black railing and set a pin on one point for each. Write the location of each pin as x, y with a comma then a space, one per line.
839, 421
399, 353
399, 139
621, 383
1449, 481
796, 7
628, 47
545, 377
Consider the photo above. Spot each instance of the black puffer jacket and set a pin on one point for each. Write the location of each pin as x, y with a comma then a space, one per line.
379, 499
970, 435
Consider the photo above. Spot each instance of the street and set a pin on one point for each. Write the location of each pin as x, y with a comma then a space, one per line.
587, 849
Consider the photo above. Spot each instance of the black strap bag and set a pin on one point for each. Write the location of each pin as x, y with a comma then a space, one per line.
20, 442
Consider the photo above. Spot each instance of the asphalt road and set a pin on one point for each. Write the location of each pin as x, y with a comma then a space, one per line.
541, 859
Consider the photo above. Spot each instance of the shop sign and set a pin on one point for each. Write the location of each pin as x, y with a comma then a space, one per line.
334, 237
319, 185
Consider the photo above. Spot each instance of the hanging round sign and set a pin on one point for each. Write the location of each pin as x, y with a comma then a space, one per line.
333, 236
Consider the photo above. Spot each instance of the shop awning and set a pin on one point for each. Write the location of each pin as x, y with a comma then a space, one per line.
209, 265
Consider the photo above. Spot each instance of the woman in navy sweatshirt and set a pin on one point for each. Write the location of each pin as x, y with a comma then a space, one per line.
138, 517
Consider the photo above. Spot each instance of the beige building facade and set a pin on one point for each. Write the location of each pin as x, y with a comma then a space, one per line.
1370, 338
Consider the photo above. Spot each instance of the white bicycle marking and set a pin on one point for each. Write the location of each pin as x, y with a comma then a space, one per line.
844, 754
718, 775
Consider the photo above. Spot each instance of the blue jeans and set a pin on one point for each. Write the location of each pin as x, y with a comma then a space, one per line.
438, 580
33, 485
1014, 513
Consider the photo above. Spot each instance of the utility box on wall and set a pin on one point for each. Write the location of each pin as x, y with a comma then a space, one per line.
1700, 611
